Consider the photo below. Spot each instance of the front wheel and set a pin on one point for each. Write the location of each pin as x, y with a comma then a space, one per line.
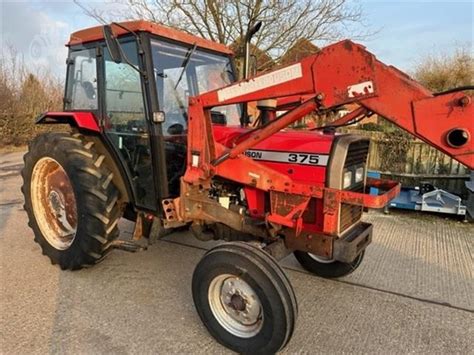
327, 268
244, 298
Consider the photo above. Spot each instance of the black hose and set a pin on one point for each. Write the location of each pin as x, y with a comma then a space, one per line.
343, 124
460, 88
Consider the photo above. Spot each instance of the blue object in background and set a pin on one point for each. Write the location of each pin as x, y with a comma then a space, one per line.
375, 175
425, 197
406, 199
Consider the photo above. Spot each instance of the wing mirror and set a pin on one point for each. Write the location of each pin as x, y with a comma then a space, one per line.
175, 129
112, 44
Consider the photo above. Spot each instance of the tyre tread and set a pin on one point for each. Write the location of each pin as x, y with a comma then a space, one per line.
274, 274
100, 198
327, 270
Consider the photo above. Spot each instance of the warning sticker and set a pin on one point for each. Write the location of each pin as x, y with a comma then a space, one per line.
262, 82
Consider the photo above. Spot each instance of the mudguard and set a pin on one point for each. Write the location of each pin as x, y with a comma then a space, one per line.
81, 119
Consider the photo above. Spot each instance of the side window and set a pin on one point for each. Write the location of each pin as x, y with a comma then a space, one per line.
82, 81
123, 91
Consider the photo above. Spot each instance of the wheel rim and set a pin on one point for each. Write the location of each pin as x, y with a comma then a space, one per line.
54, 203
235, 305
321, 259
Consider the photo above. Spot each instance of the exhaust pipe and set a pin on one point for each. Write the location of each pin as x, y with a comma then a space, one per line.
248, 38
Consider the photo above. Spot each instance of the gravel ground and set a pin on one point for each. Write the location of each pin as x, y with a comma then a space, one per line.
413, 292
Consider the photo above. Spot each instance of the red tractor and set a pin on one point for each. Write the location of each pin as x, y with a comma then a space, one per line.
160, 136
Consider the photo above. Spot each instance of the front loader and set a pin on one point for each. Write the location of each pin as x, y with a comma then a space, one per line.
159, 136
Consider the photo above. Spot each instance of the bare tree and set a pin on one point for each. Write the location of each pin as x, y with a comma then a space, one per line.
23, 96
227, 21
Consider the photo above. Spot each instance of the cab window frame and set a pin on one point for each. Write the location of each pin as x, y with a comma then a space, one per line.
67, 99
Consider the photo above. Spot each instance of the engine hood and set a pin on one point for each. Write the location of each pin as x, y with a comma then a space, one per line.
303, 155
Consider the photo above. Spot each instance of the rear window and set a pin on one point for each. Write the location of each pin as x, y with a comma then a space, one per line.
81, 91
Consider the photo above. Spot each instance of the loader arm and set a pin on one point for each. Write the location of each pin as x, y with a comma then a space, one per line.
339, 74
343, 73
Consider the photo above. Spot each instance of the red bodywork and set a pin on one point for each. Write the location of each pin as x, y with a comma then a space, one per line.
84, 120
96, 34
340, 74
310, 180
289, 141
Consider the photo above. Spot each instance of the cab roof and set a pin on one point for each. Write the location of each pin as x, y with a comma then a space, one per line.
95, 33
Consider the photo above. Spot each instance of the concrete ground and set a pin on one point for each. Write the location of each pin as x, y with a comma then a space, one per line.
413, 292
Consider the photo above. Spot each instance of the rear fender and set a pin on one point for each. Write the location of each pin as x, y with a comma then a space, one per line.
83, 120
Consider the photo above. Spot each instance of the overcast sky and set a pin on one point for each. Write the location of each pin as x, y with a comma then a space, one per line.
408, 29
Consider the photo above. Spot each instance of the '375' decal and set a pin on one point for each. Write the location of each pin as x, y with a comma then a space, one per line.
289, 157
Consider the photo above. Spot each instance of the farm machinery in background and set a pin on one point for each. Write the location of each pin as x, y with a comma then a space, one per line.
159, 135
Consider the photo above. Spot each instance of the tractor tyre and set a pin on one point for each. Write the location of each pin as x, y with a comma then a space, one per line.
70, 199
327, 268
244, 299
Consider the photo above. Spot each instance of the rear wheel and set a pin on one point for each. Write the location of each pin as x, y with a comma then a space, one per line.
244, 298
325, 267
71, 202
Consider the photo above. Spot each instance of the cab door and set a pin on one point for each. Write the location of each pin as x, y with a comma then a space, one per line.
125, 122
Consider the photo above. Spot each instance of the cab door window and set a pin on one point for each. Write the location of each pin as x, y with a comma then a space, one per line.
125, 122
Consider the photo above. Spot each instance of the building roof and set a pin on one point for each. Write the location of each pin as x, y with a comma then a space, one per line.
301, 49
95, 33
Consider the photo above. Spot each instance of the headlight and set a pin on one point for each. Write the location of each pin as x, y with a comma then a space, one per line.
347, 179
359, 174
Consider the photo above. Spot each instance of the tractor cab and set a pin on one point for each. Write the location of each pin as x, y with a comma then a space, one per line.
136, 77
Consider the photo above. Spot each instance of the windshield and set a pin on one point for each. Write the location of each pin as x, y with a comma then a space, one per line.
181, 72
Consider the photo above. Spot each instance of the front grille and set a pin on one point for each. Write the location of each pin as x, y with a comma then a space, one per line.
356, 156
350, 214
357, 153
